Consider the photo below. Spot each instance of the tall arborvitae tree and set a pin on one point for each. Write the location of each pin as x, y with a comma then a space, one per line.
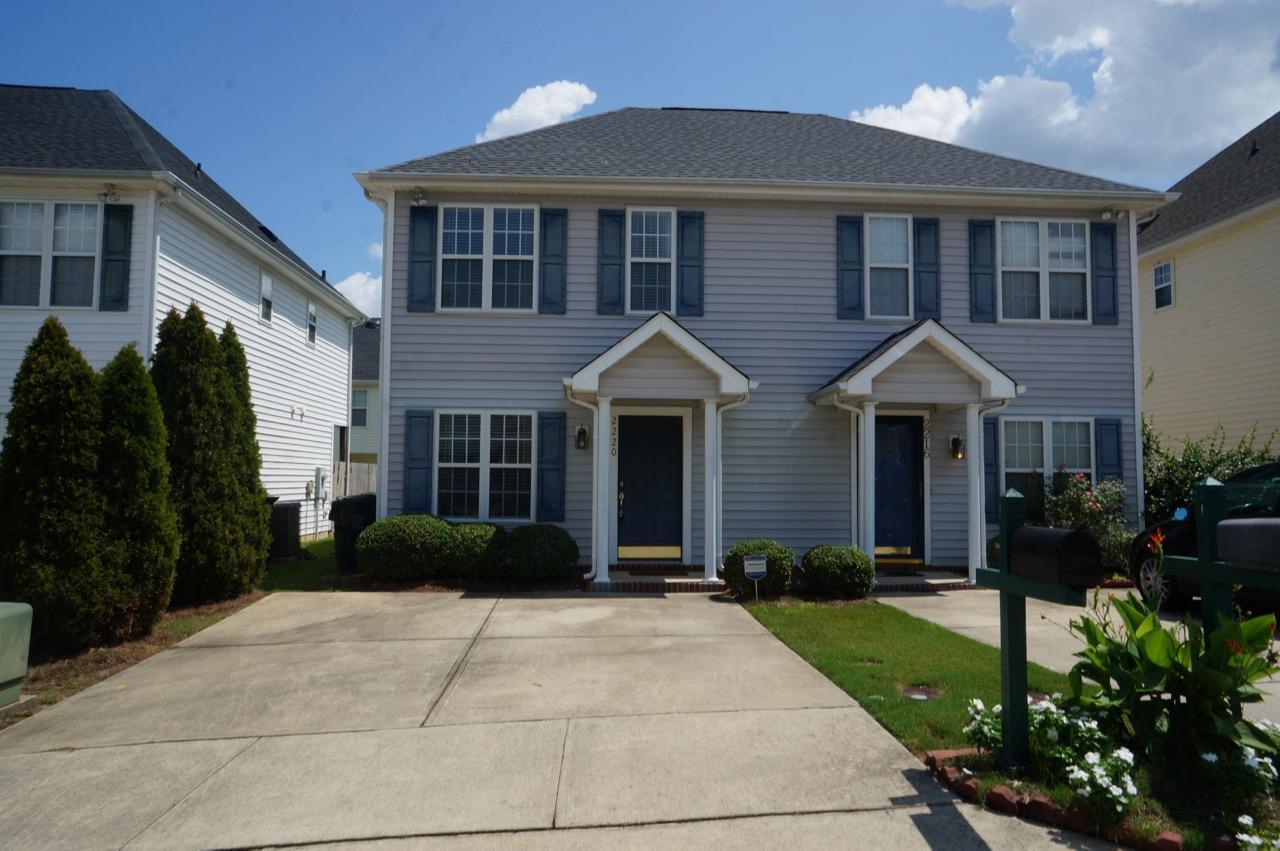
141, 532
254, 517
190, 375
51, 527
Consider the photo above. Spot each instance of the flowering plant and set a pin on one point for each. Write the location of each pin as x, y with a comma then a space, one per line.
1073, 502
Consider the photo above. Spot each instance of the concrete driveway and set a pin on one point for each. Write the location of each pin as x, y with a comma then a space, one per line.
423, 719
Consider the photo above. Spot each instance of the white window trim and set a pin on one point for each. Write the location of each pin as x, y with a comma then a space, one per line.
312, 311
482, 513
44, 299
1047, 469
1155, 288
671, 305
909, 265
487, 258
364, 407
265, 280
1043, 272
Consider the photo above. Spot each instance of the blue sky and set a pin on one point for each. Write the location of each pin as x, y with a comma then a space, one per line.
281, 102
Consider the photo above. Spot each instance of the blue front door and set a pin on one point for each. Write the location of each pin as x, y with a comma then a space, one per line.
650, 487
900, 487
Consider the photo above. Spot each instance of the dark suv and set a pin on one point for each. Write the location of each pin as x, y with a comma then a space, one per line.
1247, 497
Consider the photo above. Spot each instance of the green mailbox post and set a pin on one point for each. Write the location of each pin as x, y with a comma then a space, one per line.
15, 642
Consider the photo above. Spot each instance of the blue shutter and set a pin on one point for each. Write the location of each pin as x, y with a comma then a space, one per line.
551, 261
927, 269
982, 270
117, 234
1102, 248
1108, 455
551, 451
422, 259
991, 467
689, 274
849, 267
611, 252
418, 452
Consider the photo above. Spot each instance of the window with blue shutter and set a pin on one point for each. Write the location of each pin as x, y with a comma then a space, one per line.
422, 259
1102, 250
689, 274
551, 458
117, 235
982, 270
1107, 441
849, 267
611, 256
552, 261
418, 448
928, 269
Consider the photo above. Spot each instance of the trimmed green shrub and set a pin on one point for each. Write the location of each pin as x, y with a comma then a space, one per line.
830, 571
405, 547
51, 511
141, 530
253, 513
542, 552
780, 560
476, 551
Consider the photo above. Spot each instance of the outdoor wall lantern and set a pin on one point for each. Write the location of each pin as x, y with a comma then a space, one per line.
957, 447
580, 438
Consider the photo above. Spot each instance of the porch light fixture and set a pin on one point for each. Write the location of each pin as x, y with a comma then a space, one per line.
957, 447
580, 438
418, 197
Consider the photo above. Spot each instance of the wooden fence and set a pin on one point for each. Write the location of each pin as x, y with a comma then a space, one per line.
351, 479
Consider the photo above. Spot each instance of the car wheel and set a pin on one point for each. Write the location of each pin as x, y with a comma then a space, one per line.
1155, 586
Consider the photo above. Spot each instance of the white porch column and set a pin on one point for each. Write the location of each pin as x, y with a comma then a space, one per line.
977, 519
710, 487
867, 470
600, 546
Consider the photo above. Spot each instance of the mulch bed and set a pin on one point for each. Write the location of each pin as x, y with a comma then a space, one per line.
367, 582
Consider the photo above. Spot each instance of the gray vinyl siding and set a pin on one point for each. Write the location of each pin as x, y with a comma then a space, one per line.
770, 309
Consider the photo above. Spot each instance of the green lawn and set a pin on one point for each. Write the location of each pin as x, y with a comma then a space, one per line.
873, 652
317, 570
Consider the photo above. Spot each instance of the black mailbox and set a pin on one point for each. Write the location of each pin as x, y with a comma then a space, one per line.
1250, 542
1069, 557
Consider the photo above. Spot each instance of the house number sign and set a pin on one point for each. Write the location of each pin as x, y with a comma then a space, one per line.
613, 436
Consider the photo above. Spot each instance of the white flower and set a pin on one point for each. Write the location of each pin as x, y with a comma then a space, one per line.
1092, 758
996, 709
1052, 734
1125, 754
977, 704
1247, 821
1249, 839
1209, 757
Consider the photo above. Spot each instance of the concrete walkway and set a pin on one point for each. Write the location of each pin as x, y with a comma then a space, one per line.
469, 720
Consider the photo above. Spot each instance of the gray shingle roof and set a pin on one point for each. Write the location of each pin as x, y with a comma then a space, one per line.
1245, 173
94, 131
723, 144
366, 341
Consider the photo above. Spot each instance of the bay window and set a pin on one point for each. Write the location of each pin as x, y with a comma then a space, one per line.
650, 249
1044, 270
488, 257
484, 465
49, 253
889, 267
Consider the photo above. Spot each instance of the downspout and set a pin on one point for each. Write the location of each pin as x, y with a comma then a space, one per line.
737, 403
595, 502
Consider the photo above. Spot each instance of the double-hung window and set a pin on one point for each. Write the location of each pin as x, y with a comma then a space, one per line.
1044, 270
888, 267
265, 295
484, 465
1162, 278
312, 321
488, 257
1032, 446
359, 408
650, 249
48, 253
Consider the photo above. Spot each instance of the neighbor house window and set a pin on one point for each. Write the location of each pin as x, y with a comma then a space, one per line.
1044, 270
359, 408
488, 257
264, 297
889, 267
650, 249
312, 319
1032, 446
1162, 277
48, 253
484, 465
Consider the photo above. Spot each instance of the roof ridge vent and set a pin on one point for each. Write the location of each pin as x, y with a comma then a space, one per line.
722, 109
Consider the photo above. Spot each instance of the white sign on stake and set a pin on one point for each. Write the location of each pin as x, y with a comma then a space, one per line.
755, 567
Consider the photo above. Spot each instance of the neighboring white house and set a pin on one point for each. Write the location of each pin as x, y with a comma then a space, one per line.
366, 405
106, 224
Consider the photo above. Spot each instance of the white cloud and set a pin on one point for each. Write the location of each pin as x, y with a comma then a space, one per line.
375, 251
364, 291
1173, 81
538, 106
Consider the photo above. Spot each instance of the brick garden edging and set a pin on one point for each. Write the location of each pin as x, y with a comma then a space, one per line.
1038, 808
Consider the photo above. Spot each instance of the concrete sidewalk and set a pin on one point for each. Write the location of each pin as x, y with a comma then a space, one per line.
419, 720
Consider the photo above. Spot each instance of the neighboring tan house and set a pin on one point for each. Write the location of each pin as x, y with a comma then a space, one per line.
104, 223
1210, 293
669, 330
366, 405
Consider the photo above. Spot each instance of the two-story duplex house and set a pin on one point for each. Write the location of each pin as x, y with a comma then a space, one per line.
105, 223
672, 329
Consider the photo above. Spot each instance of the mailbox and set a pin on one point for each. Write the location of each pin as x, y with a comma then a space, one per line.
1250, 542
1069, 557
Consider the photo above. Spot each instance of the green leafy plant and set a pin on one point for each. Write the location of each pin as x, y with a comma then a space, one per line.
831, 571
476, 550
542, 552
405, 547
1172, 472
1073, 502
780, 560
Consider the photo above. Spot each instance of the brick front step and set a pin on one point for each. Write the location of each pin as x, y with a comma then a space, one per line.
639, 586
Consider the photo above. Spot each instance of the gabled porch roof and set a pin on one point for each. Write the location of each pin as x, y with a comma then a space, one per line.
732, 381
856, 380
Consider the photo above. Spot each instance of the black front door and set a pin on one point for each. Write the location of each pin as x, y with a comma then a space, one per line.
650, 487
900, 487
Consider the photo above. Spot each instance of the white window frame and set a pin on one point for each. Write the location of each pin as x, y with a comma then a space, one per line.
364, 407
487, 258
671, 261
313, 323
1155, 287
909, 265
1043, 271
482, 513
46, 253
1048, 469
266, 293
